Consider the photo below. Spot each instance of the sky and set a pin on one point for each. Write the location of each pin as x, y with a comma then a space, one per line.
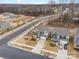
32, 1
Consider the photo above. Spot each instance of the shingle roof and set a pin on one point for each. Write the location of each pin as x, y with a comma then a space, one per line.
43, 28
60, 30
4, 25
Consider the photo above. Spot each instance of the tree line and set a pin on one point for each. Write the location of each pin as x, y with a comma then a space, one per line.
27, 11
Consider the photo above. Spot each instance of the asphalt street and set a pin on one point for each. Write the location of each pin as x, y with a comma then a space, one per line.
12, 53
8, 52
18, 32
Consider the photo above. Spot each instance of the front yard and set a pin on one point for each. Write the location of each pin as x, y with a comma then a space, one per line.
50, 47
26, 42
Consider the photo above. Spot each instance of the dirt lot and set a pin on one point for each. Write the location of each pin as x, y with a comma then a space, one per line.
20, 19
16, 22
27, 40
49, 47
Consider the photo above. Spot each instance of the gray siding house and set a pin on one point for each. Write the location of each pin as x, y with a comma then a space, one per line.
59, 34
41, 32
76, 38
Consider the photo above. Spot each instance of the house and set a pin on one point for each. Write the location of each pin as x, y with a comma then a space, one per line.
67, 11
41, 32
76, 38
5, 25
36, 34
58, 34
75, 20
9, 15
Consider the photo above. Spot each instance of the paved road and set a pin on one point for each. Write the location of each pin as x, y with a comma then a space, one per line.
15, 34
13, 53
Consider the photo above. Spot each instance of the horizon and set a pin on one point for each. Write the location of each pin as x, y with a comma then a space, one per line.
35, 1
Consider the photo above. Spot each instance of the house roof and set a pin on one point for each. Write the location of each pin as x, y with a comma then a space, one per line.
4, 25
58, 30
61, 31
43, 28
8, 14
3, 22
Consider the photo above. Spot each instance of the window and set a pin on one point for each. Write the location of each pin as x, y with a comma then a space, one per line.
64, 37
54, 36
77, 45
60, 36
77, 40
34, 33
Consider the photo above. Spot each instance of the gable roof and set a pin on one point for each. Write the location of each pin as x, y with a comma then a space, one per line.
43, 28
61, 31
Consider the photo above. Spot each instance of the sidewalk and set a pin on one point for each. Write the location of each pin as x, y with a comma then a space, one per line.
37, 49
62, 54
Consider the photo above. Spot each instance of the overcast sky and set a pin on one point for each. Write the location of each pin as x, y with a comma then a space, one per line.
32, 1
